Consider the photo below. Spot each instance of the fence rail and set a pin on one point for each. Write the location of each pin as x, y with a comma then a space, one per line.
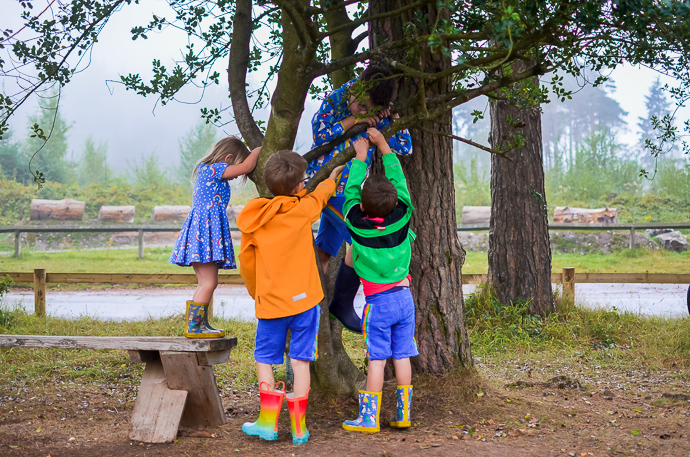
141, 229
567, 277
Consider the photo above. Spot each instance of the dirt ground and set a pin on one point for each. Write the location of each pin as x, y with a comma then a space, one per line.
520, 409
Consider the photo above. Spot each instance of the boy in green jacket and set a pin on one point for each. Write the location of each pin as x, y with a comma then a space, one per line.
378, 218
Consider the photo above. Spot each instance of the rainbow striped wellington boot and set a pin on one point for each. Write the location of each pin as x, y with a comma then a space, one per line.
298, 411
368, 419
403, 412
197, 322
266, 426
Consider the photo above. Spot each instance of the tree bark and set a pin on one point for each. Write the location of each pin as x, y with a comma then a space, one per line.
437, 256
519, 252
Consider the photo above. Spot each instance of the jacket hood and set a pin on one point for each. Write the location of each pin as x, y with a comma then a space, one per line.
259, 211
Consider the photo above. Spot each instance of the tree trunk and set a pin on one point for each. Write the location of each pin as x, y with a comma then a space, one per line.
333, 372
437, 256
519, 252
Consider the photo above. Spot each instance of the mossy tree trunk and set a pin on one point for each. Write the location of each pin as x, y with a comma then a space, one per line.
519, 252
437, 255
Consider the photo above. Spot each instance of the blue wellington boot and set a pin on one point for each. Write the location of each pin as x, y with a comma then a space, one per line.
197, 322
402, 419
341, 306
206, 323
368, 419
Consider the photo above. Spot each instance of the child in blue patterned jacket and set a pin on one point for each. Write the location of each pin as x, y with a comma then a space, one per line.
204, 242
366, 99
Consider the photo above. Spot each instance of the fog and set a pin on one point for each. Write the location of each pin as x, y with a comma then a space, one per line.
131, 125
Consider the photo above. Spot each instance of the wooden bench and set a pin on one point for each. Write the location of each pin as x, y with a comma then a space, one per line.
178, 386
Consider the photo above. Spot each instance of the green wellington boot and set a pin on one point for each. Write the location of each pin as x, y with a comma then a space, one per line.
402, 419
197, 322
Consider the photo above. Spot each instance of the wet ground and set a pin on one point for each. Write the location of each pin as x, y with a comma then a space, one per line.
663, 300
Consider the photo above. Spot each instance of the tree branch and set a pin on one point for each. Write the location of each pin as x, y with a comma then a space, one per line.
237, 74
466, 141
325, 148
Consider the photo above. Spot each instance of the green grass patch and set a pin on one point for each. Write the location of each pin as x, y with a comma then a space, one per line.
24, 366
623, 261
506, 332
97, 261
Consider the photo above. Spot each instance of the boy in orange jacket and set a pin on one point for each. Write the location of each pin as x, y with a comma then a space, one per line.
278, 266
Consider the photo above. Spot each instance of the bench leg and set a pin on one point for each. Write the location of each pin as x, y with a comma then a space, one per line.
158, 409
183, 372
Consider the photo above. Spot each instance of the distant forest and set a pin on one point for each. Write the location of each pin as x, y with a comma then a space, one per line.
584, 162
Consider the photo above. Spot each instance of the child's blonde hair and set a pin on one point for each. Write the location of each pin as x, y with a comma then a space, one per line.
228, 145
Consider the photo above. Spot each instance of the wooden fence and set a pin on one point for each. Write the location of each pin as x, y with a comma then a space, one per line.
141, 229
567, 277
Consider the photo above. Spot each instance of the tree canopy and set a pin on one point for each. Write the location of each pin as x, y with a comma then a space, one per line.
305, 44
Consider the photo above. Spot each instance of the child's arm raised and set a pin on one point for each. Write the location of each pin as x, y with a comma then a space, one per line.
358, 171
314, 202
239, 169
391, 165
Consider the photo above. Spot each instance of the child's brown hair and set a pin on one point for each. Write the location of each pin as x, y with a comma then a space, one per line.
283, 172
379, 196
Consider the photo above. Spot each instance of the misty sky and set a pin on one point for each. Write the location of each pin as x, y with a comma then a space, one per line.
133, 126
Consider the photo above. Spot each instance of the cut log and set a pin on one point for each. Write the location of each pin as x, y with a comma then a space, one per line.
170, 213
476, 215
585, 215
63, 210
116, 214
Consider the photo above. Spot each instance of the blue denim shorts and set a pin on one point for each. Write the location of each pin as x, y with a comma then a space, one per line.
271, 335
332, 229
388, 325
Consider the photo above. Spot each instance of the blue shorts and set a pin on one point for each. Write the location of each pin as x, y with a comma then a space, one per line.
271, 335
332, 229
388, 325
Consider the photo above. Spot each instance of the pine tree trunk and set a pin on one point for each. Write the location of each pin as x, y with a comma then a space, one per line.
519, 252
437, 255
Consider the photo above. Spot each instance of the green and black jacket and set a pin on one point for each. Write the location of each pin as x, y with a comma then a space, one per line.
380, 250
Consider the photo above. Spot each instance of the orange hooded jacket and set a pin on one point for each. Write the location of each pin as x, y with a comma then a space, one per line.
277, 258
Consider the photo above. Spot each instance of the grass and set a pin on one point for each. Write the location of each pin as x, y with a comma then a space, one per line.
503, 334
21, 366
101, 261
623, 261
506, 333
156, 261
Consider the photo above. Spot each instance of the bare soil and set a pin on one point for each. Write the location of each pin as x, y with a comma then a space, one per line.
517, 409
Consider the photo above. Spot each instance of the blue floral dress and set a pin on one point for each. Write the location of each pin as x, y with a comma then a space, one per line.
205, 234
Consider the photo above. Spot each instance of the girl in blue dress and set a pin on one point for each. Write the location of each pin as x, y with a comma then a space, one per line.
204, 241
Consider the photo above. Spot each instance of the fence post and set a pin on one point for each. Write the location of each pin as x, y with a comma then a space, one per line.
40, 292
141, 243
632, 237
17, 243
568, 280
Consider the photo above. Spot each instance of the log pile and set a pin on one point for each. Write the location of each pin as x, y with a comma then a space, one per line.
170, 213
585, 215
476, 215
62, 210
116, 214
